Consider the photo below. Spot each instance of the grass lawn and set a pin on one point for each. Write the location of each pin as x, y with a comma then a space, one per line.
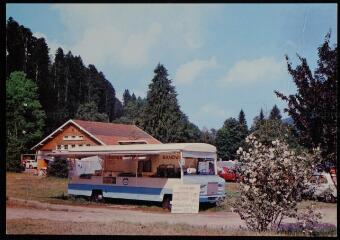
29, 187
27, 226
54, 190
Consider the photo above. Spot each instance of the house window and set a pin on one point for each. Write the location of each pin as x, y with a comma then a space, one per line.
88, 145
65, 146
73, 145
73, 138
80, 145
58, 146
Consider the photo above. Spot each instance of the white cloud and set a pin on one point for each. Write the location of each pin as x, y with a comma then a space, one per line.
250, 71
52, 44
188, 72
130, 34
212, 110
136, 49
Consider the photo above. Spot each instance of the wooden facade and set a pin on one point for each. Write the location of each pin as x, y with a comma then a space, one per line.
78, 133
69, 131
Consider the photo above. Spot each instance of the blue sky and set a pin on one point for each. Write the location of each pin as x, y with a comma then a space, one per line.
221, 57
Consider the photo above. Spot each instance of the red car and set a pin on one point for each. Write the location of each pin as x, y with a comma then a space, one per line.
228, 174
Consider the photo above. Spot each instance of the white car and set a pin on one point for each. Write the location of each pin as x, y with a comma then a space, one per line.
322, 187
31, 164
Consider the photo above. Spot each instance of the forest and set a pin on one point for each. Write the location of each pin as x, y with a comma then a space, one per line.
44, 90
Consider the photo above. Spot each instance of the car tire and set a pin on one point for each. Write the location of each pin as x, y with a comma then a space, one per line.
97, 196
166, 203
330, 198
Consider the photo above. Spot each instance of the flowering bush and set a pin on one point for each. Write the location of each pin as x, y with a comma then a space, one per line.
308, 219
272, 180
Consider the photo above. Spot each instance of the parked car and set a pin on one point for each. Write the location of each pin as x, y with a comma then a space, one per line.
228, 174
228, 170
31, 164
321, 187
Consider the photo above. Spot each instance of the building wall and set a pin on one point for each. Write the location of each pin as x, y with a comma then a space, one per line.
58, 139
69, 130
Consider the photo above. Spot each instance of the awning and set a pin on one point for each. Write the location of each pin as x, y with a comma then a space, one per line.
195, 150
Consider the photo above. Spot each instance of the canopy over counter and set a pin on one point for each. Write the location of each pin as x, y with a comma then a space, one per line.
193, 150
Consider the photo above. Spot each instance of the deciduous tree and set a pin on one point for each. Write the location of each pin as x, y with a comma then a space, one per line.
313, 107
229, 138
273, 178
25, 118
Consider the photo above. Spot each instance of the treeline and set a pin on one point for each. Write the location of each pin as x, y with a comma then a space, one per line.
42, 93
65, 85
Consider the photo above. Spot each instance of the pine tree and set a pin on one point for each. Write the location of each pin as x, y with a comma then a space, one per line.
133, 97
275, 113
261, 116
257, 121
63, 85
126, 97
242, 119
162, 117
313, 107
16, 46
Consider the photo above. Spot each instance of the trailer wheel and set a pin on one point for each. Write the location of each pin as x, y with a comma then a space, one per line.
166, 204
330, 198
97, 196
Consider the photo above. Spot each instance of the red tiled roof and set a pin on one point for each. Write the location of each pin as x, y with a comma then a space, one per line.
111, 133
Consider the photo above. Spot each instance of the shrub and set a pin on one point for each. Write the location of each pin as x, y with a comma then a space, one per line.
272, 180
58, 168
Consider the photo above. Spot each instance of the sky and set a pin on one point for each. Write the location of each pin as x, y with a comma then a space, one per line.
221, 57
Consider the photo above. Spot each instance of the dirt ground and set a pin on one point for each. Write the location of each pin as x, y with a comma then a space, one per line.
29, 215
29, 226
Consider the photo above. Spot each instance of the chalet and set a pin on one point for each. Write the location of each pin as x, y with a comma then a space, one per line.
79, 133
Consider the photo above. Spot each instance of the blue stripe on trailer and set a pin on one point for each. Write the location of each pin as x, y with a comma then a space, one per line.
116, 189
126, 192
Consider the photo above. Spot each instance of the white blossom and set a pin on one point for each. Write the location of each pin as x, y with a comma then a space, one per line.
288, 176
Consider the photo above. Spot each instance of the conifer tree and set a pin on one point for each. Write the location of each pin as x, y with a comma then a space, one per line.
261, 116
133, 97
242, 119
162, 117
275, 113
126, 97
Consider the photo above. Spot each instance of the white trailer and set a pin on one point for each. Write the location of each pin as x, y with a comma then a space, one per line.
143, 171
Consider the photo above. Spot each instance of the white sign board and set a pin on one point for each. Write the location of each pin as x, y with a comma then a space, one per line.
185, 198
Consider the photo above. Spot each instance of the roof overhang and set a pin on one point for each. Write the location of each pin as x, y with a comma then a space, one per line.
200, 150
